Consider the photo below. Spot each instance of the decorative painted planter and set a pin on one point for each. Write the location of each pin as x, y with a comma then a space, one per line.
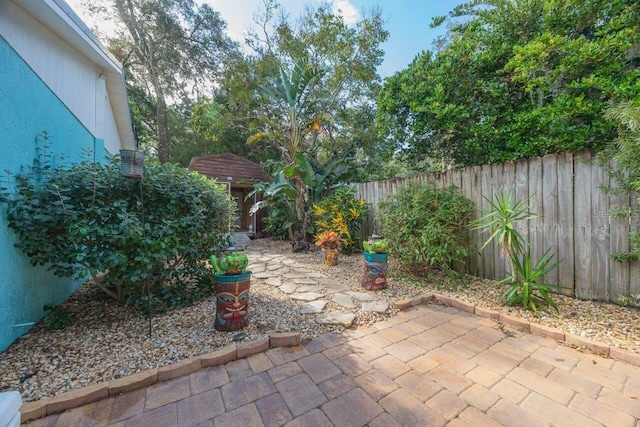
375, 271
232, 301
132, 163
331, 256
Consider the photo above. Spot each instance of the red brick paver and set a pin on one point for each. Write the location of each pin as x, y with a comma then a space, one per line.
428, 366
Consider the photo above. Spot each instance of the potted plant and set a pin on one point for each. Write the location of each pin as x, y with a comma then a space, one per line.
233, 282
375, 262
329, 242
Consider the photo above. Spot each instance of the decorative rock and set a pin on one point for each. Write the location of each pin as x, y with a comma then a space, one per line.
313, 307
344, 319
330, 282
304, 281
343, 300
376, 306
274, 281
288, 288
310, 288
305, 296
362, 296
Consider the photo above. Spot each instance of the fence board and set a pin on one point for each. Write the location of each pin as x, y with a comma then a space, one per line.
634, 267
600, 241
550, 216
565, 226
497, 176
488, 254
476, 191
582, 234
573, 219
619, 243
522, 193
536, 236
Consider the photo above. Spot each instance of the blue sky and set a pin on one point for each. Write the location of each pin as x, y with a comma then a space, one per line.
407, 22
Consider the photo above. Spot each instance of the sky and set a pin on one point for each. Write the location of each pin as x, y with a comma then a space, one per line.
406, 20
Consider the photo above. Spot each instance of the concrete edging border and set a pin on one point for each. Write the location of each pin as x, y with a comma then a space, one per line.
82, 396
524, 325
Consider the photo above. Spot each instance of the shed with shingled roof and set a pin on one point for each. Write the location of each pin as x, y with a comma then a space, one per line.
238, 174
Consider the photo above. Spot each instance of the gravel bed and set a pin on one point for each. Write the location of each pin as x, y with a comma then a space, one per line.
108, 341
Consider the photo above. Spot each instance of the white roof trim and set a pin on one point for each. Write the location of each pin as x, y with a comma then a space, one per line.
58, 17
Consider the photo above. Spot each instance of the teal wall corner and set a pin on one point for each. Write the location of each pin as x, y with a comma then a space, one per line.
28, 108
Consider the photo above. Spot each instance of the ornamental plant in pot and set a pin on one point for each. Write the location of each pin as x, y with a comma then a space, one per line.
233, 282
329, 242
375, 263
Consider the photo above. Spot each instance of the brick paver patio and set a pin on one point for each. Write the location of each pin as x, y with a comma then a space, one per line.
428, 366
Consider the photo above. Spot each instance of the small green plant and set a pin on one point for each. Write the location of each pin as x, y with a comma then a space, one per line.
343, 213
624, 300
56, 317
525, 288
426, 226
632, 300
500, 220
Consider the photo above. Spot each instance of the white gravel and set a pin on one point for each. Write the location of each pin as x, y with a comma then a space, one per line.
108, 341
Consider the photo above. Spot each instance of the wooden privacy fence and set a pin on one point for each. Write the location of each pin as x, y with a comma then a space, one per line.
573, 220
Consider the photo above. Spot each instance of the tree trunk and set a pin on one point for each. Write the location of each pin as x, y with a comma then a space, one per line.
163, 127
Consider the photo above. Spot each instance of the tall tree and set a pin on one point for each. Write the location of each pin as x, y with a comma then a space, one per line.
172, 50
349, 54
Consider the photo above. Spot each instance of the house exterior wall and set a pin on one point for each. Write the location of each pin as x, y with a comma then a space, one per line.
45, 85
75, 80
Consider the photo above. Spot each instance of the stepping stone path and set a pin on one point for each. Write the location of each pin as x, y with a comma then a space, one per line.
313, 290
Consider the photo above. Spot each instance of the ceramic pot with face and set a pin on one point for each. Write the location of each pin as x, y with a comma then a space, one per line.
232, 301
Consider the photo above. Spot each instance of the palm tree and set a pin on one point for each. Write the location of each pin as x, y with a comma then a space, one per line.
292, 119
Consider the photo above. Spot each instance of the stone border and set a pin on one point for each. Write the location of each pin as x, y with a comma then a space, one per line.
525, 326
82, 396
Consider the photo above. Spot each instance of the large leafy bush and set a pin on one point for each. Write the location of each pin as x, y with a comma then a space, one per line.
85, 220
426, 226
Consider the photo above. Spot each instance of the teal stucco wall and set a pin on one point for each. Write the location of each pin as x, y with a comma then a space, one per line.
27, 108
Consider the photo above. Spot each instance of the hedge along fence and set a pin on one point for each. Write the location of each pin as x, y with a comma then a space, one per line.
573, 220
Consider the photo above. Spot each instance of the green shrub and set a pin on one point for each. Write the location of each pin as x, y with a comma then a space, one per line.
426, 226
86, 220
343, 213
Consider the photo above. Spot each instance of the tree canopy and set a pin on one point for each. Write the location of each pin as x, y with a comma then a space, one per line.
173, 51
514, 79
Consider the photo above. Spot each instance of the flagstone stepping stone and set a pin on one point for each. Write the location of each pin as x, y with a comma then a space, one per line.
362, 296
343, 300
274, 266
305, 296
293, 276
313, 307
310, 288
274, 281
336, 318
329, 282
315, 275
280, 272
288, 288
376, 306
288, 261
262, 275
256, 268
304, 281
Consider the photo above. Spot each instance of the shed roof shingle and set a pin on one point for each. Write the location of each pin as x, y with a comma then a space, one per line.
225, 166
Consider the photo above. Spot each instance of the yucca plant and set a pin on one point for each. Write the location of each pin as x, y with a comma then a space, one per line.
525, 288
500, 220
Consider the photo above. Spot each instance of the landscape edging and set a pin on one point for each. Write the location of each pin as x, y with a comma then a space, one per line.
595, 347
74, 398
